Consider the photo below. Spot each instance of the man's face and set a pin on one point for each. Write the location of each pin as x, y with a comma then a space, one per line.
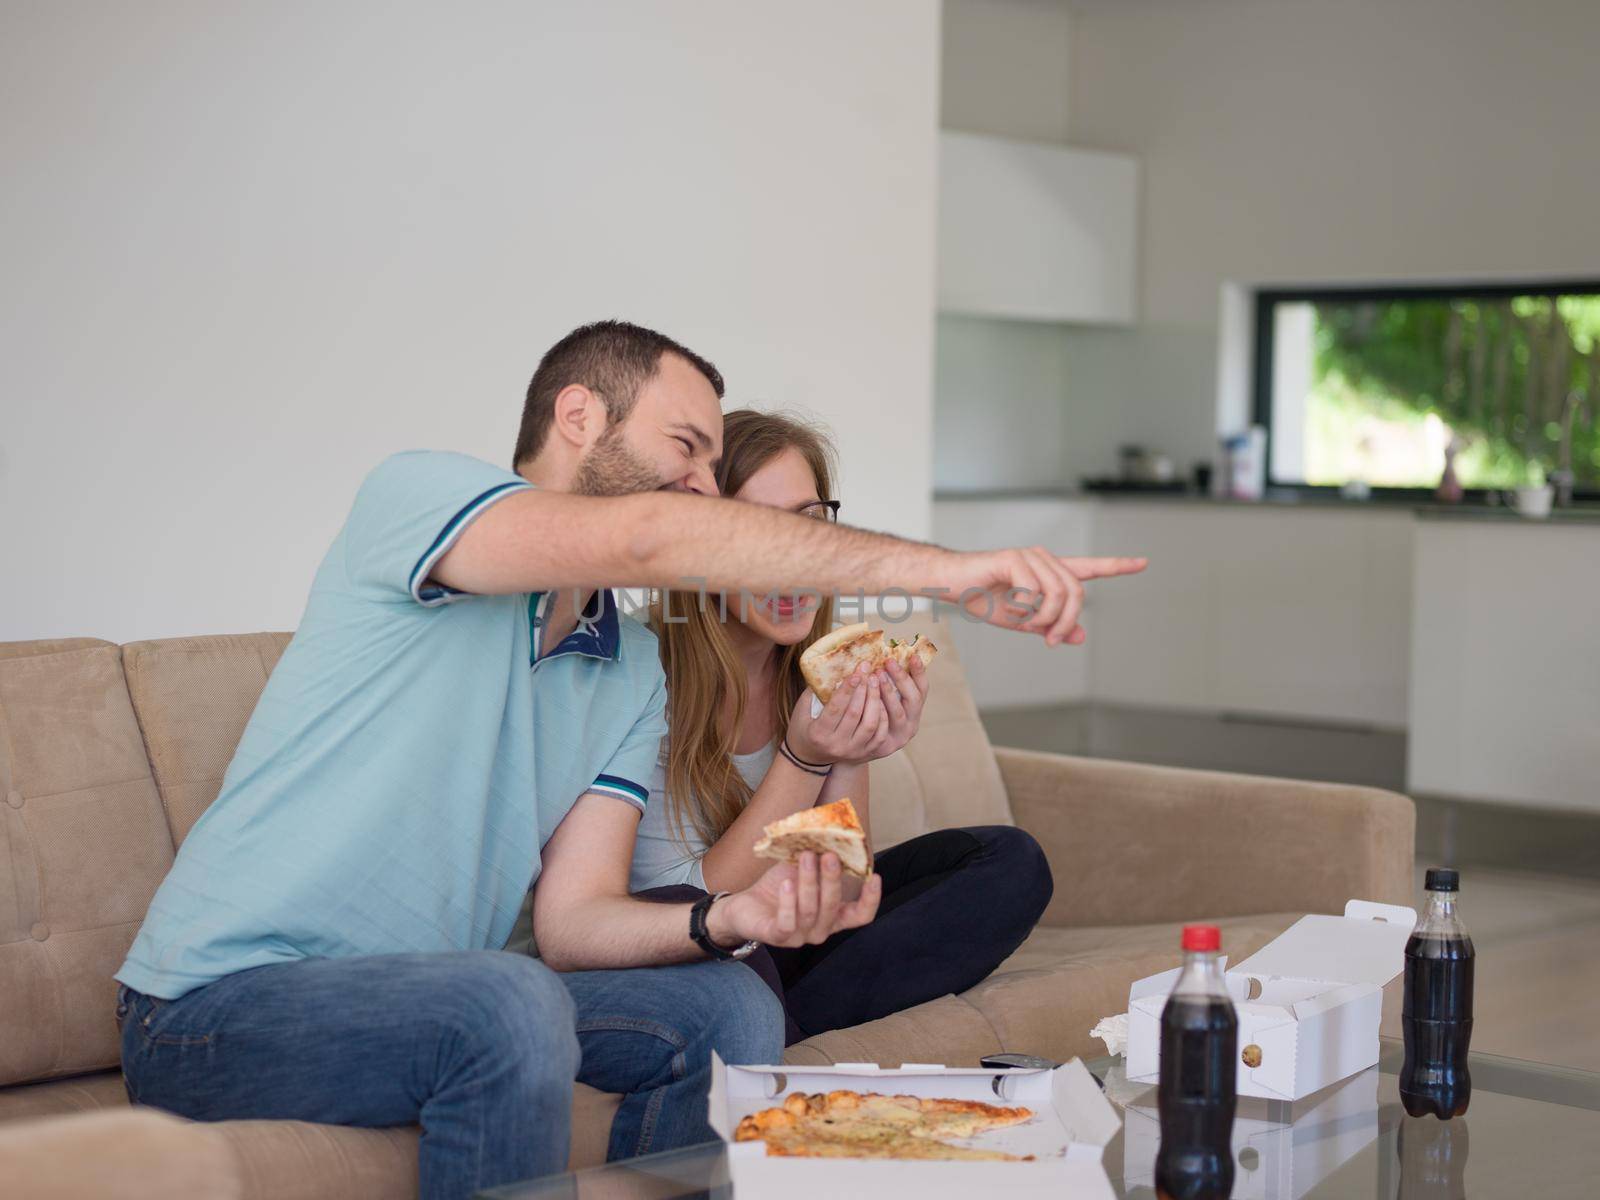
671, 440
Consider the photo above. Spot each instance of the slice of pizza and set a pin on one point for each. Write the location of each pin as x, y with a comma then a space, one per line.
847, 1124
923, 1116
863, 1141
826, 827
832, 658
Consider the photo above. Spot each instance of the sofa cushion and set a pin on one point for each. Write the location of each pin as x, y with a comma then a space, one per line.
947, 1030
132, 1154
193, 697
83, 847
1042, 1000
60, 1097
298, 1160
947, 776
1046, 997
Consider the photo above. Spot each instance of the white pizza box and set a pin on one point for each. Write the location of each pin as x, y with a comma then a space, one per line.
1309, 1002
1067, 1136
1281, 1151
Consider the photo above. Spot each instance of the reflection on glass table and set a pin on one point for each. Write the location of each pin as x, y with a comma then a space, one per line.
1534, 1134
1280, 1150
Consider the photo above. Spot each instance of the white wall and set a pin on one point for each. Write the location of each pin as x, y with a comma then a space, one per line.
999, 417
1303, 141
1005, 68
249, 249
1003, 669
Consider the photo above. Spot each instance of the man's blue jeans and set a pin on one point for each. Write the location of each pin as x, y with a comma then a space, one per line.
479, 1047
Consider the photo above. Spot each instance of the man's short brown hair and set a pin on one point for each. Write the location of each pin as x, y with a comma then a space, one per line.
613, 359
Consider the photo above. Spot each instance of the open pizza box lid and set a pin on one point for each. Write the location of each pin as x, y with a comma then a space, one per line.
1073, 1122
1309, 1001
1366, 945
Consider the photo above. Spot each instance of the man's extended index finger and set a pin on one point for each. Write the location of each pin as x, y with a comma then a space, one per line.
1102, 568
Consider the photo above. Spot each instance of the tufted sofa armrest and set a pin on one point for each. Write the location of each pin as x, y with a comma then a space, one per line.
131, 1153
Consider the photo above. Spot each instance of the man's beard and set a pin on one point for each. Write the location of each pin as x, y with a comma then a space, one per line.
612, 469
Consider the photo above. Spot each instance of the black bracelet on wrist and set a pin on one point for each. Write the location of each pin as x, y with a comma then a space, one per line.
798, 759
700, 932
820, 769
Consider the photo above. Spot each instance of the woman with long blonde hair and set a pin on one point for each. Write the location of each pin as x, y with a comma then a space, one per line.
747, 745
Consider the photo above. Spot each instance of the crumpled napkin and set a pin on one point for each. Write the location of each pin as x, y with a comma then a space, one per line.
1113, 1031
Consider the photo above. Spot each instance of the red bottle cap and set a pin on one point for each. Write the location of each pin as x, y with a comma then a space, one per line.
1202, 937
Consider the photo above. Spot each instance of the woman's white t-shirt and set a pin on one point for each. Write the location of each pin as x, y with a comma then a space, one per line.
662, 855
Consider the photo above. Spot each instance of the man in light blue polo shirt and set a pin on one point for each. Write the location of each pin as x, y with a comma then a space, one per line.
463, 715
396, 706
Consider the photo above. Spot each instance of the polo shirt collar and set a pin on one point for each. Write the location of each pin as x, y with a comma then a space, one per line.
597, 634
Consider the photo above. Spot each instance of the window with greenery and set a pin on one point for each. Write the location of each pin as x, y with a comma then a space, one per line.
1376, 385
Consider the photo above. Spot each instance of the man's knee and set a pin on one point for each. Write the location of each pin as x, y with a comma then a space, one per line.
513, 1005
517, 982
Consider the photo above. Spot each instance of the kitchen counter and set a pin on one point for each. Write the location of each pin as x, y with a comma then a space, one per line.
1584, 514
1278, 500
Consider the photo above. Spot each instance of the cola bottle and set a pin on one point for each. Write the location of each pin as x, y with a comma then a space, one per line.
1436, 1013
1197, 1095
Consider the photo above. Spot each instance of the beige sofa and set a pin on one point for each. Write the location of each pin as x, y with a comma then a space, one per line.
108, 754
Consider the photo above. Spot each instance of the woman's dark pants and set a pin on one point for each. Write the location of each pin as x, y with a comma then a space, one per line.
956, 904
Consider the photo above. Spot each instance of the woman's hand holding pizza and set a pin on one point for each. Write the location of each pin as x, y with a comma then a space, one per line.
905, 691
848, 724
870, 716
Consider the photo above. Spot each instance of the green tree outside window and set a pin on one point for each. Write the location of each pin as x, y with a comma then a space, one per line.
1503, 374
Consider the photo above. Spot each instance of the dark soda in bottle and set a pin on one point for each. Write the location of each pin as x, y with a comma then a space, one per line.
1197, 1093
1436, 1013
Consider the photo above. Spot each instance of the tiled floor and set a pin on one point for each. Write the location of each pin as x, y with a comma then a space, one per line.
1537, 933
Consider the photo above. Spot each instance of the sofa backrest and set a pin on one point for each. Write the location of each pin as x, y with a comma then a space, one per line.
947, 776
108, 756
83, 845
193, 697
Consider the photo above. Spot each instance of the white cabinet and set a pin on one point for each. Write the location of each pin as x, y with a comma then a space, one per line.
1035, 231
1006, 669
1505, 663
1478, 637
1300, 615
1297, 615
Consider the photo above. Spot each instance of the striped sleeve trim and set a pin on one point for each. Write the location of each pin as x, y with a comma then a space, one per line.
622, 789
433, 595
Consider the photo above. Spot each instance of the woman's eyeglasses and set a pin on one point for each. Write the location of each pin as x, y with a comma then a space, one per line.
822, 510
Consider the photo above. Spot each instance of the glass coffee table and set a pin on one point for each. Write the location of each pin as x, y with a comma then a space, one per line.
1531, 1131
